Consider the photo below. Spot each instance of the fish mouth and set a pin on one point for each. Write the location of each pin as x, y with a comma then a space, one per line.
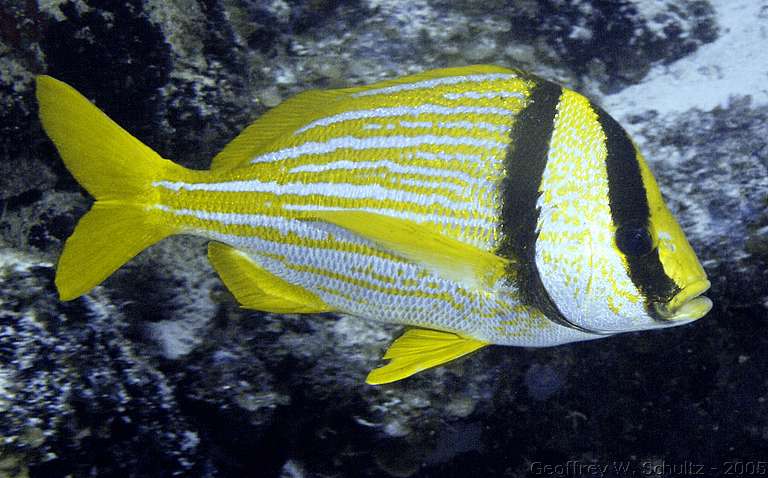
688, 304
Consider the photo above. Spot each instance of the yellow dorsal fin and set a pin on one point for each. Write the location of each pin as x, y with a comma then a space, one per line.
255, 288
445, 256
420, 349
432, 74
282, 119
307, 106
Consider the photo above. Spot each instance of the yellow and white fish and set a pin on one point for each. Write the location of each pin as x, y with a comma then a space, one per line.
477, 205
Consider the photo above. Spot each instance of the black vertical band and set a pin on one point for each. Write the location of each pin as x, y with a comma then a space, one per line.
524, 169
629, 208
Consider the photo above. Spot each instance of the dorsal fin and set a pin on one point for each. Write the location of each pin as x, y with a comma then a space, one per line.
447, 257
282, 119
255, 288
310, 105
432, 74
420, 349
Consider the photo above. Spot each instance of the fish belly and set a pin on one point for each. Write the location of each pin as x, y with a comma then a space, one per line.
354, 276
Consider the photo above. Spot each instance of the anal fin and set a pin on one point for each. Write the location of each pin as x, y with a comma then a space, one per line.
256, 288
418, 350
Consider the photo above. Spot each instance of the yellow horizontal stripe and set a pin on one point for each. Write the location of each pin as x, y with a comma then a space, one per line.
390, 126
272, 234
368, 270
435, 94
272, 204
386, 152
358, 299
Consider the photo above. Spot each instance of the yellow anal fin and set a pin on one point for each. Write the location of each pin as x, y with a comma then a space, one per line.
445, 256
420, 349
255, 288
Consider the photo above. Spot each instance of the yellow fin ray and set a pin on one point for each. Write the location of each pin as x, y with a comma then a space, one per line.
432, 74
445, 256
272, 125
104, 158
255, 288
307, 106
118, 170
418, 350
107, 236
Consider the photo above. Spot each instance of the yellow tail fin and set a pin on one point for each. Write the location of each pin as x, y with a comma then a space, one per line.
118, 170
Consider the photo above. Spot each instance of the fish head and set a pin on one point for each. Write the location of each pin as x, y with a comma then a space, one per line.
609, 255
642, 274
668, 274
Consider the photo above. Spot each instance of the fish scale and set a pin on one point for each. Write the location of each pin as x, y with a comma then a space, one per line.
343, 123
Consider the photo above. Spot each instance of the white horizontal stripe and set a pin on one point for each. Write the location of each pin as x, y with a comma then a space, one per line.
339, 190
448, 156
345, 262
391, 166
416, 124
496, 128
294, 253
472, 125
321, 257
436, 184
405, 111
282, 224
374, 142
310, 229
478, 95
397, 304
428, 84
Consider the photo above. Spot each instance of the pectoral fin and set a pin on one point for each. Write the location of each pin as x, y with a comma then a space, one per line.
420, 349
447, 257
256, 288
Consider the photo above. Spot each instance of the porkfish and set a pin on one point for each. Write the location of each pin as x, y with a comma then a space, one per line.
476, 205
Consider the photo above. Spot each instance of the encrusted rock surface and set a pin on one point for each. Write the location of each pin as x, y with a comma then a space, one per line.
159, 373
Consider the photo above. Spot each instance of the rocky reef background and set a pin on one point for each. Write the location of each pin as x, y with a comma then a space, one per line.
159, 373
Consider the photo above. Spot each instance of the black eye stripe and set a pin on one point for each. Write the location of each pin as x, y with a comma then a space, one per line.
634, 240
629, 209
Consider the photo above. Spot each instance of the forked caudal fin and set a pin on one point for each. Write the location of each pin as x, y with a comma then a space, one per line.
118, 170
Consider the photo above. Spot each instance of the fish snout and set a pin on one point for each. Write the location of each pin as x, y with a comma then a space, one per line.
688, 304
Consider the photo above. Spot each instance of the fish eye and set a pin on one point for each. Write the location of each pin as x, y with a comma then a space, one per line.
634, 240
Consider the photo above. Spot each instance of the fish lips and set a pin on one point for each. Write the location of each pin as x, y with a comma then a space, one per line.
687, 305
